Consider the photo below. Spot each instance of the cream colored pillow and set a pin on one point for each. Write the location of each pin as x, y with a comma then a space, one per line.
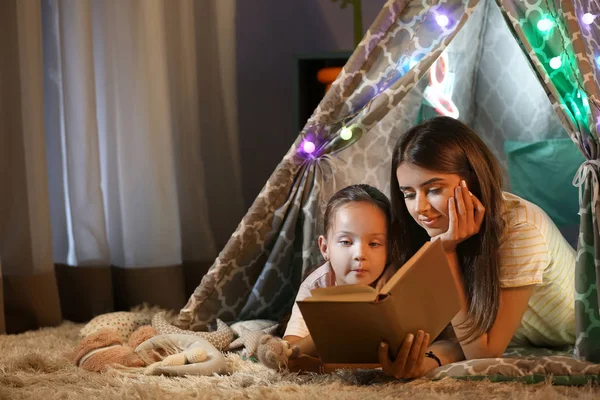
124, 322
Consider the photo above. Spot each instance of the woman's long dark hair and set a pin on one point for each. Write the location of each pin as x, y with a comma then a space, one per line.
448, 146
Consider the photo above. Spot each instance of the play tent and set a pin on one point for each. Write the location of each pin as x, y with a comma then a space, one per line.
523, 74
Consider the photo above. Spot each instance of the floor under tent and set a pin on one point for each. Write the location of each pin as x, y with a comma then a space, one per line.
412, 64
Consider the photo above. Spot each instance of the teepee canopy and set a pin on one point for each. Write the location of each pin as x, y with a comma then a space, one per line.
513, 70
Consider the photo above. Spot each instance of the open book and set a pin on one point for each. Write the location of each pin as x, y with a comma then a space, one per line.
347, 323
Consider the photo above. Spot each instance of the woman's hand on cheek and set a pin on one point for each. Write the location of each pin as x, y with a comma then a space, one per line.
465, 214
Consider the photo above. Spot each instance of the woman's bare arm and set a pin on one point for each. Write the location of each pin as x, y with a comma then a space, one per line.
513, 304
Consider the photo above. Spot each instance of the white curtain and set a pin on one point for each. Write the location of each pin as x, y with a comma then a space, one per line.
141, 132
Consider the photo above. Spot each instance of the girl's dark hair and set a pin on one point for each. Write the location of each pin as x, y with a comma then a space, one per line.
353, 193
448, 146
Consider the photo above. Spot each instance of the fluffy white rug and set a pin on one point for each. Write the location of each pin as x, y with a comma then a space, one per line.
33, 366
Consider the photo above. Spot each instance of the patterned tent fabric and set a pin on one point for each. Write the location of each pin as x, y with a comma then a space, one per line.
568, 89
503, 86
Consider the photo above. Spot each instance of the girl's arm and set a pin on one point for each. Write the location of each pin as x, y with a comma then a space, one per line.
305, 344
513, 304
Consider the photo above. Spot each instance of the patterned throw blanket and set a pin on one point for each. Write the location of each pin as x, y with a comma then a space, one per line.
527, 365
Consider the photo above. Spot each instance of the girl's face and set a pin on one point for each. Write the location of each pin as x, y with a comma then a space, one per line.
356, 243
426, 195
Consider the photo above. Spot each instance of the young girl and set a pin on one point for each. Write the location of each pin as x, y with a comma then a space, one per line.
355, 249
517, 269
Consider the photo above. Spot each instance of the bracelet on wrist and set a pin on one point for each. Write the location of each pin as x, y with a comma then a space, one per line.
430, 354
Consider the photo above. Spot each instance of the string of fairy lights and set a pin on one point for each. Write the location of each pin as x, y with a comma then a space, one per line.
556, 63
308, 146
545, 25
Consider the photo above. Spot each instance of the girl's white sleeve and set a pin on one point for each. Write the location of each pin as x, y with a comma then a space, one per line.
296, 325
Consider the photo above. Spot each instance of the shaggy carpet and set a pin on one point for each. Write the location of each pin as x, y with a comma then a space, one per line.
33, 366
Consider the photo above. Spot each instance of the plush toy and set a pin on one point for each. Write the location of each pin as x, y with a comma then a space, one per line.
221, 338
148, 352
248, 339
187, 355
105, 348
274, 352
249, 332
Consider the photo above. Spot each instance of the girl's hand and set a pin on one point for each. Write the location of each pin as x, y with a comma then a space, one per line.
465, 213
410, 360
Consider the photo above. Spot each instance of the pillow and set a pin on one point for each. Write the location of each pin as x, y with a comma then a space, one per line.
124, 322
526, 365
542, 172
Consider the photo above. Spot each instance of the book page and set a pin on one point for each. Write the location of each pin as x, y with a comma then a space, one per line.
343, 298
344, 293
410, 263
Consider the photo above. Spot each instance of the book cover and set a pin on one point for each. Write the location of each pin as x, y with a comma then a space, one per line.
348, 322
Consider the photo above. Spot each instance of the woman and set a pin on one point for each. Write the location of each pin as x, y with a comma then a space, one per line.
517, 269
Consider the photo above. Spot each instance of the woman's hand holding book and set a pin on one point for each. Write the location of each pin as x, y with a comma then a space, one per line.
410, 362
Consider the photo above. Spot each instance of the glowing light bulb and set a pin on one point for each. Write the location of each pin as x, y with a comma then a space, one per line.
555, 62
442, 20
309, 147
346, 133
598, 61
576, 109
544, 25
588, 18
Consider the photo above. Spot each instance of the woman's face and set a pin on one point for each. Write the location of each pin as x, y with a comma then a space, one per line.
426, 195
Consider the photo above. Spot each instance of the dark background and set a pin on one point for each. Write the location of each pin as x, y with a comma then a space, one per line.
270, 36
